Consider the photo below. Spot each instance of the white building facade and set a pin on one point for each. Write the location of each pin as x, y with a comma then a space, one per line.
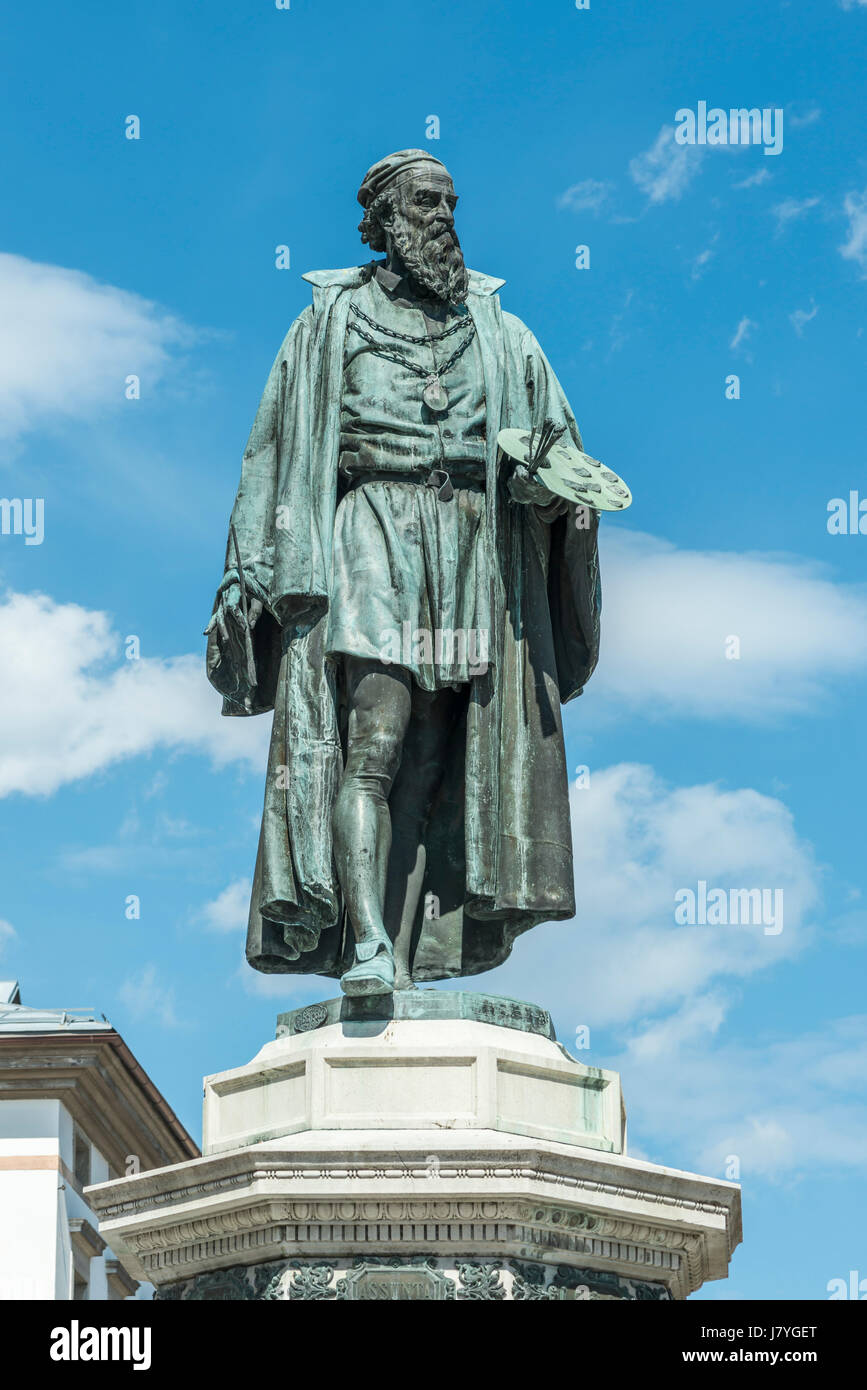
75, 1109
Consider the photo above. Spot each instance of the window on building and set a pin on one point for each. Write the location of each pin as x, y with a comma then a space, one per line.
81, 1158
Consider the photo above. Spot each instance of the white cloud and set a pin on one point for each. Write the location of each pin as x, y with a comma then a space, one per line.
855, 247
637, 842
7, 931
790, 209
780, 1105
70, 705
742, 332
668, 614
146, 997
664, 171
587, 196
67, 344
801, 317
228, 911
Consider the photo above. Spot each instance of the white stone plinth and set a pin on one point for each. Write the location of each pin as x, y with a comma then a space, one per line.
440, 1074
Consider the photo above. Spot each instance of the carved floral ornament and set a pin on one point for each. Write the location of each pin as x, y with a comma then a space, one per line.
416, 1277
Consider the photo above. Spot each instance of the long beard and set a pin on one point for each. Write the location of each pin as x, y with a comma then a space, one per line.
434, 261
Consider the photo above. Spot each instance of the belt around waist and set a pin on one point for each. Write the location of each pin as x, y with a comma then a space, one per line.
442, 480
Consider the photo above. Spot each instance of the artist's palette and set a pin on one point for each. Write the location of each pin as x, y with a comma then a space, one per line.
570, 473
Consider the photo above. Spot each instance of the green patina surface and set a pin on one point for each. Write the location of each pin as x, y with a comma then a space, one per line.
420, 1004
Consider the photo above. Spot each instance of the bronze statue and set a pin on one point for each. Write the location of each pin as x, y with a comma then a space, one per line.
414, 607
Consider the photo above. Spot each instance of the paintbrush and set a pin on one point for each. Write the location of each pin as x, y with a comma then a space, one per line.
245, 610
548, 436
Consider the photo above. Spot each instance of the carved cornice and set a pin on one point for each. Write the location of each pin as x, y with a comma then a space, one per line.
542, 1204
516, 1227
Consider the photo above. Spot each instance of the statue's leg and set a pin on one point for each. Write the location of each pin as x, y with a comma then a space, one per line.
431, 726
379, 704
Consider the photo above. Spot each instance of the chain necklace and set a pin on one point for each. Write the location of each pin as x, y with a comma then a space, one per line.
434, 394
408, 337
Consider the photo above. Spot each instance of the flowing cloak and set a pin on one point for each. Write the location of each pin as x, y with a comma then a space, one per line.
498, 840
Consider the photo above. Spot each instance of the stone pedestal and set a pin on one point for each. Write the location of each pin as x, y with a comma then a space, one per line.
443, 1146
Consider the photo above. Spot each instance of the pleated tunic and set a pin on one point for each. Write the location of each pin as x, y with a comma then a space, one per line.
410, 581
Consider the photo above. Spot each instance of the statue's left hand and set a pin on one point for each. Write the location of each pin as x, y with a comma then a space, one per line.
527, 489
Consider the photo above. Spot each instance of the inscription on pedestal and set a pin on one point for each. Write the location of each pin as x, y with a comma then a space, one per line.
414, 1282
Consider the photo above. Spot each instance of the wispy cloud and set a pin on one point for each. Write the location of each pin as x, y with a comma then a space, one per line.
618, 336
798, 116
742, 332
146, 997
761, 175
703, 259
664, 171
291, 990
855, 246
801, 317
588, 196
790, 209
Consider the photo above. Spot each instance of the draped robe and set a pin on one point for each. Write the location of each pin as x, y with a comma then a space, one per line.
498, 840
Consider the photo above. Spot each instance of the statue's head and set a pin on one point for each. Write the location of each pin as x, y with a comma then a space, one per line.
409, 202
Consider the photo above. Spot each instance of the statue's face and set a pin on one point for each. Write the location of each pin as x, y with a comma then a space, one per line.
422, 232
430, 201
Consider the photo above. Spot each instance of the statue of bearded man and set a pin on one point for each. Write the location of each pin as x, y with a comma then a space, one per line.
413, 608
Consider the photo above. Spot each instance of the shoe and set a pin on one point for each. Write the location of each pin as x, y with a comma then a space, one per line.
373, 972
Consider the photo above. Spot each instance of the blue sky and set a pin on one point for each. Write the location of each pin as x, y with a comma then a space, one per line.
156, 257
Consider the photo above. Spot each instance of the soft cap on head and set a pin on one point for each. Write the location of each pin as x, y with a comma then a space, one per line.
394, 170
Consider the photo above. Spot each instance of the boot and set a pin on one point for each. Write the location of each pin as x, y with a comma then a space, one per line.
373, 971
